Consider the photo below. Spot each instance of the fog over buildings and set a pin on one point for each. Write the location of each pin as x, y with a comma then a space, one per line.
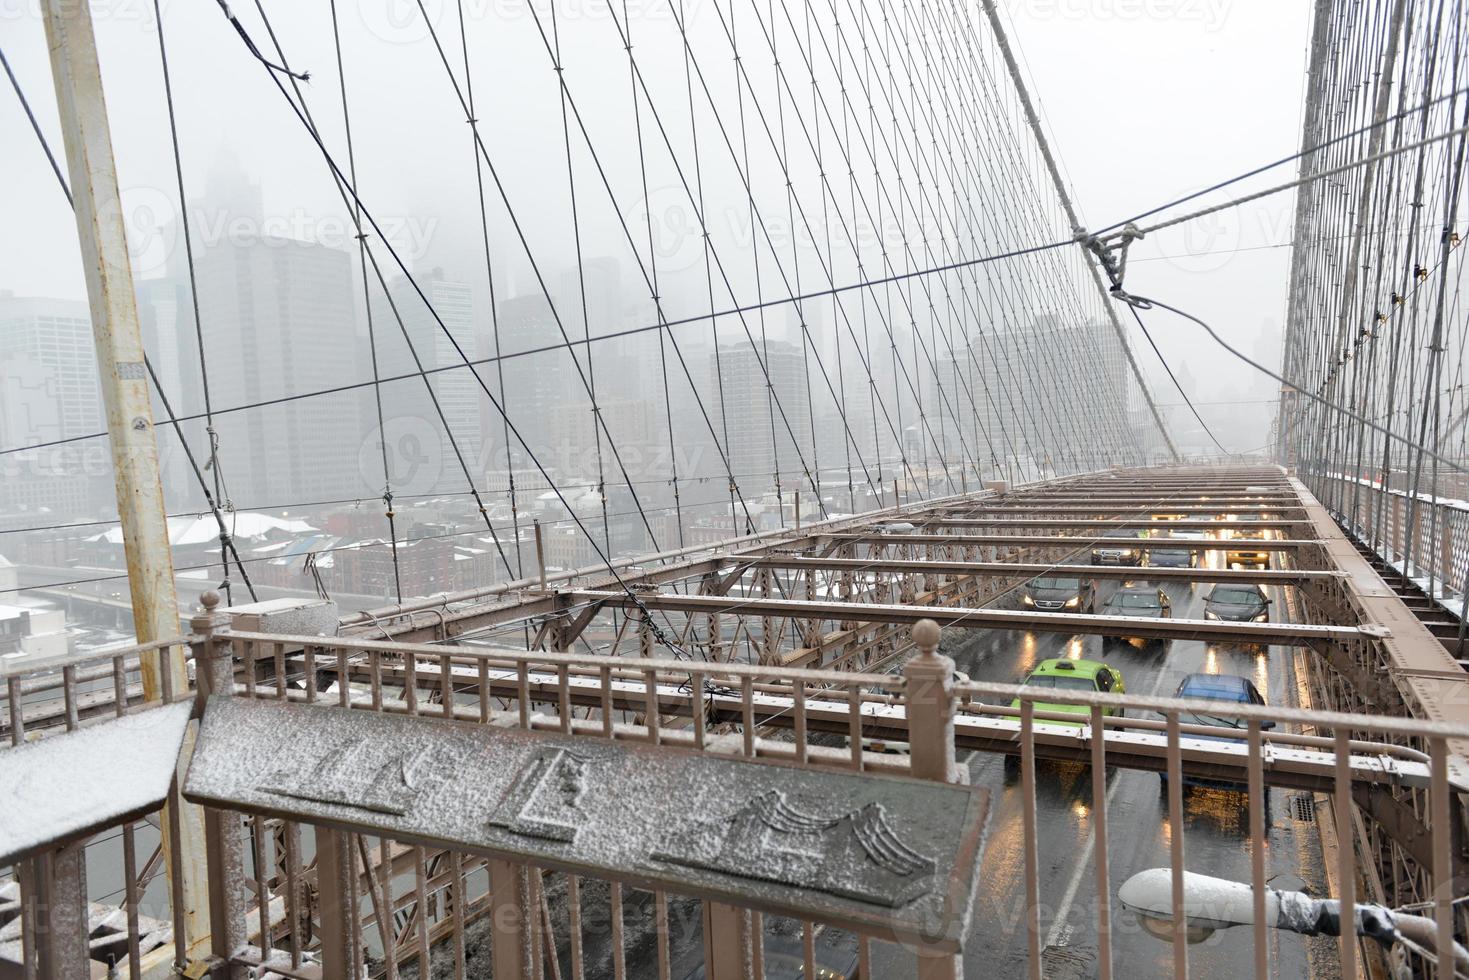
741, 366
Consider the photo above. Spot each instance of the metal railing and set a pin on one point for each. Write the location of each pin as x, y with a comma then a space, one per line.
417, 907
1425, 537
130, 927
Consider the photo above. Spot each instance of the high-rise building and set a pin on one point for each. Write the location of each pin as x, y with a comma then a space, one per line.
49, 390
536, 383
458, 392
763, 416
56, 334
278, 319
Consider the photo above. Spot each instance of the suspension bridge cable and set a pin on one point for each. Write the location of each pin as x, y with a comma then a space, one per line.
1308, 151
36, 126
1176, 384
178, 170
272, 72
651, 280
535, 266
484, 225
355, 209
227, 547
558, 68
1306, 179
1002, 40
1145, 303
377, 389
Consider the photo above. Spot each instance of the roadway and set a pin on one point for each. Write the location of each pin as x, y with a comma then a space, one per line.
1216, 836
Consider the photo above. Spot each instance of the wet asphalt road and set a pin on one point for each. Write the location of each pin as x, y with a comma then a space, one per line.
1216, 839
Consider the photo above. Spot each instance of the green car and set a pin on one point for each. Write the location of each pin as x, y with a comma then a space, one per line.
1073, 675
1069, 675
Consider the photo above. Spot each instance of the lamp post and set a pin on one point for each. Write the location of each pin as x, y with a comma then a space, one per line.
1217, 903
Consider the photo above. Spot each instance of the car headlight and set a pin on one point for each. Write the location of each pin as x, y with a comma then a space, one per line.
1127, 551
1263, 617
1210, 614
1027, 600
1073, 602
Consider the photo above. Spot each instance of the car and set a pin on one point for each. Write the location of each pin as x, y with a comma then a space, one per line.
1059, 594
1237, 604
1137, 602
1217, 687
1065, 674
1247, 556
1118, 554
1176, 557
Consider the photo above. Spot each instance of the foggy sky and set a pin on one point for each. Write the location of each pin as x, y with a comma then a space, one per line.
1143, 100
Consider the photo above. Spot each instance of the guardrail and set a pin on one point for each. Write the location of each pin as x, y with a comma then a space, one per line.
425, 906
1425, 537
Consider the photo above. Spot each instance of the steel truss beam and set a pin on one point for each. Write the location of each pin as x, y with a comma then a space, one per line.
1029, 569
1274, 524
1078, 543
975, 618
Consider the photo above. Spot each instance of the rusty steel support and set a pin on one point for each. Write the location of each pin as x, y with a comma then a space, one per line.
513, 953
335, 911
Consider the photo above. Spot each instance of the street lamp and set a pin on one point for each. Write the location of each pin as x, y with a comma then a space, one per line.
1216, 903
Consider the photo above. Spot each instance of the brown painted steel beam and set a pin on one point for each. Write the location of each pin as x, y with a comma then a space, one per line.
1274, 524
1018, 569
1070, 541
978, 618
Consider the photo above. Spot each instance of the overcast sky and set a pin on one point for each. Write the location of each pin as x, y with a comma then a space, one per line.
1144, 99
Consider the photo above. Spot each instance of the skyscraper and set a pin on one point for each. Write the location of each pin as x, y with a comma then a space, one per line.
278, 319
536, 383
49, 390
764, 416
458, 392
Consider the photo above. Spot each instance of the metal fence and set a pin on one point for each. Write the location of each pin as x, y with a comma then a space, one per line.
414, 909
1425, 537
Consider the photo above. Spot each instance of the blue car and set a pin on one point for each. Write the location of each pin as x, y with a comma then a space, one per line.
1217, 687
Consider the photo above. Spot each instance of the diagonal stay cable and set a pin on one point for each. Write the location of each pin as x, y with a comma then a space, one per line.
273, 71
353, 207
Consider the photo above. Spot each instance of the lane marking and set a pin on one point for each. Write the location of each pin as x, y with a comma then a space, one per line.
1059, 924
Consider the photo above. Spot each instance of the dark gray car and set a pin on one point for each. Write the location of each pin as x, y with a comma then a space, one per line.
1127, 550
1057, 594
1237, 603
1137, 602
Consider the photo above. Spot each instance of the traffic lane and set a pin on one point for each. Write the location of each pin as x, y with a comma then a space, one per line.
1216, 840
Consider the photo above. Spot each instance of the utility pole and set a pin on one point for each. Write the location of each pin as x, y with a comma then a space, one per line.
103, 237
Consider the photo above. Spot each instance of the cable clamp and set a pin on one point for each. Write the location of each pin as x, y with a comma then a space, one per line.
1137, 302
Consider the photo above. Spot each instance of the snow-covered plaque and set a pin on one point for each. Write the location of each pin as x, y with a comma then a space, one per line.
889, 856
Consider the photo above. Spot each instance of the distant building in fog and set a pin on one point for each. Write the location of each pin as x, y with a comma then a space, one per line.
458, 392
49, 390
536, 383
761, 426
278, 319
